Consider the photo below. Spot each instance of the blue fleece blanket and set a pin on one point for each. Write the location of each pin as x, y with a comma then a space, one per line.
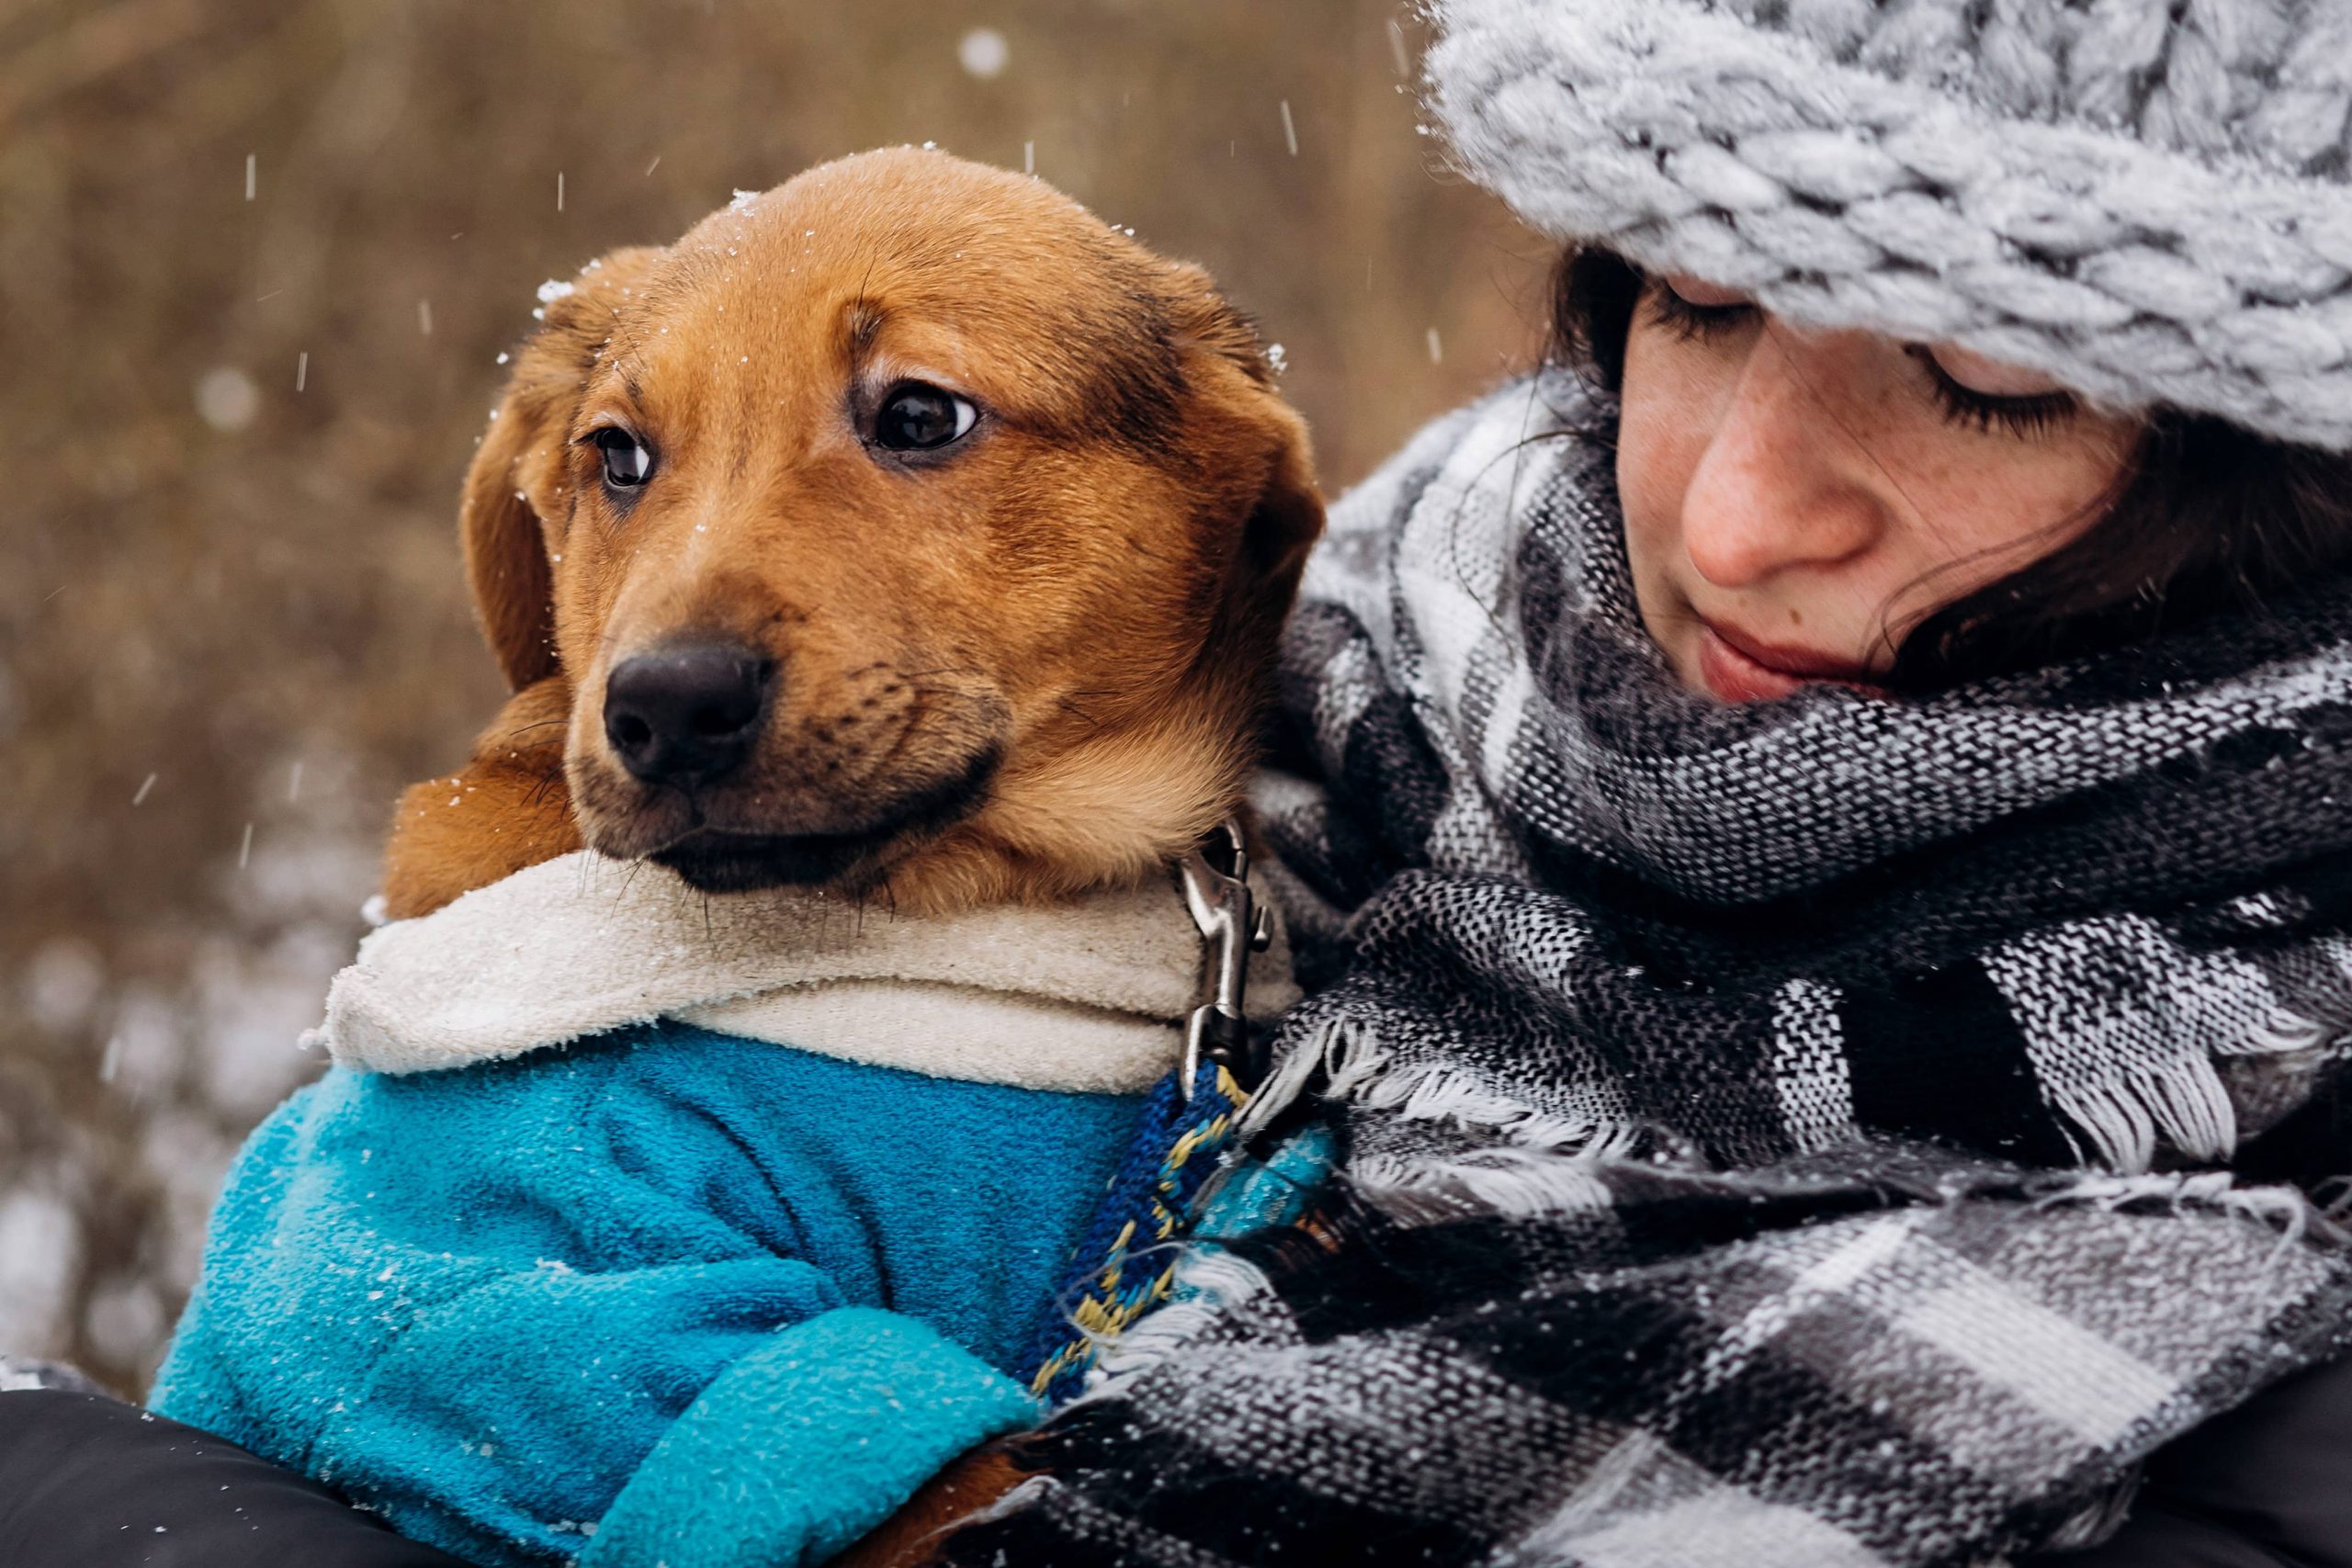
663, 1297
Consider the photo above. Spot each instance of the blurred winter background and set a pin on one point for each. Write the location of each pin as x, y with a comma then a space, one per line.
257, 258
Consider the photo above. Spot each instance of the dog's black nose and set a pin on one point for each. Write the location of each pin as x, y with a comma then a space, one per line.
687, 712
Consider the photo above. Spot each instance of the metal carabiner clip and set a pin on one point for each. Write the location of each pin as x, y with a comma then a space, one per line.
1232, 928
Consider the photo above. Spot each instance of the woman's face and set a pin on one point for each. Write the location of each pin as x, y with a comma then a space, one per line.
1796, 501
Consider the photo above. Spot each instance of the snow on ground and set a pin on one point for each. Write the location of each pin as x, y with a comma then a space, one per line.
191, 1057
40, 1254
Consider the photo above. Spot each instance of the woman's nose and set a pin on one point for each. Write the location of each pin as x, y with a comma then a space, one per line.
1783, 480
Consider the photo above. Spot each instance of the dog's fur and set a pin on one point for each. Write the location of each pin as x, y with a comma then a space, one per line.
1026, 666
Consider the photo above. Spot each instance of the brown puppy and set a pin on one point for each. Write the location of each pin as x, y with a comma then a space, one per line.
906, 529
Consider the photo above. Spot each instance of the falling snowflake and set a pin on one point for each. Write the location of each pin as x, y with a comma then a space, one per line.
227, 399
983, 53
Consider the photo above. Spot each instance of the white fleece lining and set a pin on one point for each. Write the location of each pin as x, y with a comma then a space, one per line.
957, 1031
1082, 996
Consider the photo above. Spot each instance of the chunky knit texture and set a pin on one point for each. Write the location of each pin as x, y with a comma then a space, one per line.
2148, 199
1830, 1132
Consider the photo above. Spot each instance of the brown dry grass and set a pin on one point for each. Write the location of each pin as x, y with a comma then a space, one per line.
215, 606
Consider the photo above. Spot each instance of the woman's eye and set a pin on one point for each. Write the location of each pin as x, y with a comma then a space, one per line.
1986, 377
917, 417
1693, 310
1698, 291
628, 463
2031, 404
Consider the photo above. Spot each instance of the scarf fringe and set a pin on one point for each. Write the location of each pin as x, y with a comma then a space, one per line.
1028, 1495
1358, 1068
1210, 1284
2285, 1031
1519, 1182
2183, 1101
1342, 1050
2285, 1210
1549, 1168
2123, 1116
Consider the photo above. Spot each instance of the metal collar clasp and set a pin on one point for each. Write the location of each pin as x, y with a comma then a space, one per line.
1232, 928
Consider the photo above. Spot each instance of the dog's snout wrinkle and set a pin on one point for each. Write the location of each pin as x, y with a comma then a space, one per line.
686, 713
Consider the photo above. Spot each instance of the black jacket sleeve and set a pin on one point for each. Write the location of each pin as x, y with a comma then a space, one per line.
88, 1482
2268, 1486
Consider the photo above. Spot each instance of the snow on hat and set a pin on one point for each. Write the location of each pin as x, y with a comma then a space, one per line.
2147, 200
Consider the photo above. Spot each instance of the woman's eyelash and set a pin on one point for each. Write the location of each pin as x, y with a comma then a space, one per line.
2023, 417
1689, 322
2027, 417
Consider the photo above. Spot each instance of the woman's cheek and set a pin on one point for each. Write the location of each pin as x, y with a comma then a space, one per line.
1673, 397
1657, 452
1990, 508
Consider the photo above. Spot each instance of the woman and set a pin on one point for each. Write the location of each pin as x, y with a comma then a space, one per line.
1843, 813
1836, 801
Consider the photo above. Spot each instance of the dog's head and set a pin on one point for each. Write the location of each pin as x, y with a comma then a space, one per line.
905, 524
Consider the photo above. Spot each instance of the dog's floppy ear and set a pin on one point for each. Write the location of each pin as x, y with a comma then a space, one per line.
1288, 517
1269, 441
515, 504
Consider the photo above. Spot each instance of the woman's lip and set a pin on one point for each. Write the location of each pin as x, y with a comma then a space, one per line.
1739, 670
1804, 663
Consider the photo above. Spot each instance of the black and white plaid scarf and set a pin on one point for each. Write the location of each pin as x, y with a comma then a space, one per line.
1832, 1131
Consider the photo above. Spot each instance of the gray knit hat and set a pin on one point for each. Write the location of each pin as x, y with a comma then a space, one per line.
2148, 199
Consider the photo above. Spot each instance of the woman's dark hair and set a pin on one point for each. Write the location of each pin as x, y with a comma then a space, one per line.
2206, 517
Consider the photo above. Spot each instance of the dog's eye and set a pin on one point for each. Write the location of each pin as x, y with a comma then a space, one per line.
627, 461
919, 417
